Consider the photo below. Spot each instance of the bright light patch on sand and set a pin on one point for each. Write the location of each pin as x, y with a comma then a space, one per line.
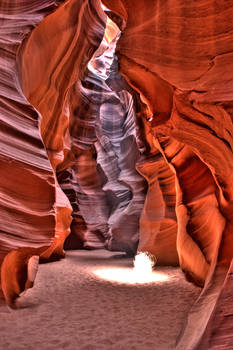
140, 274
130, 276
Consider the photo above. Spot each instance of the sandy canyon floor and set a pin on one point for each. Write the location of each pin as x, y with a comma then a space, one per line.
92, 300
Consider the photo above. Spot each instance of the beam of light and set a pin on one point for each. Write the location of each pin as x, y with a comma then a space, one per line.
144, 263
141, 273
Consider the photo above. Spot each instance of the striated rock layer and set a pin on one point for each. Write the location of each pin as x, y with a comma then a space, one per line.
108, 190
158, 223
27, 217
66, 42
183, 71
35, 212
173, 124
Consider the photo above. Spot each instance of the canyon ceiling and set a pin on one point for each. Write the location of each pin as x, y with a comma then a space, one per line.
132, 152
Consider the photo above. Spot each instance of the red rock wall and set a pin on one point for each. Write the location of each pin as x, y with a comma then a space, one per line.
105, 174
36, 73
27, 179
178, 56
62, 44
158, 222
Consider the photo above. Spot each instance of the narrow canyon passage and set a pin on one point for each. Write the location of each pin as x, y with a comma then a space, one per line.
116, 134
72, 307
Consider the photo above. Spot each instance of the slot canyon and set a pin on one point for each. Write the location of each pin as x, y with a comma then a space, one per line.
116, 195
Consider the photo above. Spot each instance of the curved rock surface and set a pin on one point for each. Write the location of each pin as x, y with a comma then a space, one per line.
183, 72
36, 212
158, 223
89, 131
109, 191
28, 217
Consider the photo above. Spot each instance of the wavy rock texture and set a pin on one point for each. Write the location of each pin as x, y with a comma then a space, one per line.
68, 61
27, 218
35, 210
158, 223
109, 191
183, 72
88, 127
